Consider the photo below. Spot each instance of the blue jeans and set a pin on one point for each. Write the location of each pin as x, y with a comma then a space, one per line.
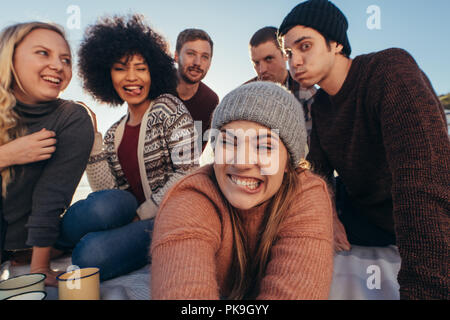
101, 233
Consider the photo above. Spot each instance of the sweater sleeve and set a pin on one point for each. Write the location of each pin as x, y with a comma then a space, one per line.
185, 239
418, 152
60, 177
301, 264
98, 171
179, 133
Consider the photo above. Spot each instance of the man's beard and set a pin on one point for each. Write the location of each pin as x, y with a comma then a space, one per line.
186, 78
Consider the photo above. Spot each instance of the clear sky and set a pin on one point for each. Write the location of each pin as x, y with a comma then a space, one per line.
420, 27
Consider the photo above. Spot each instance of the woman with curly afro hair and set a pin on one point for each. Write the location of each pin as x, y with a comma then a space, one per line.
122, 60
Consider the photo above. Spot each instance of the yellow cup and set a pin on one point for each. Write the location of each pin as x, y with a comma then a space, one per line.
21, 284
79, 284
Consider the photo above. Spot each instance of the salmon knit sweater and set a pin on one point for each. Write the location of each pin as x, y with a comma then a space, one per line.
192, 244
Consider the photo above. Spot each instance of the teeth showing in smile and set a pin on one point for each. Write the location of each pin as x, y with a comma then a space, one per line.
52, 80
249, 183
133, 89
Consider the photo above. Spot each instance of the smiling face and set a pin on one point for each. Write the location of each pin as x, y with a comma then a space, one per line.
43, 65
310, 58
269, 62
194, 60
131, 79
250, 162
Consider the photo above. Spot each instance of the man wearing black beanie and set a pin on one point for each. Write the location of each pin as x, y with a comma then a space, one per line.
378, 122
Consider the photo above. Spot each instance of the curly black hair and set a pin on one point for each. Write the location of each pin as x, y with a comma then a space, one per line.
114, 38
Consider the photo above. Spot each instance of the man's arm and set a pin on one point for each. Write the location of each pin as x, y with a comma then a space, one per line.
418, 152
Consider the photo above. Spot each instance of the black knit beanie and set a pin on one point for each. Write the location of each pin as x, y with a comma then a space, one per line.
321, 15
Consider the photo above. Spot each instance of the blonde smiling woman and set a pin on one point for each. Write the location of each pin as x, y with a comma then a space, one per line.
44, 141
254, 224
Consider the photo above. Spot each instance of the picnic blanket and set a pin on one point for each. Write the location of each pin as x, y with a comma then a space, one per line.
363, 273
360, 274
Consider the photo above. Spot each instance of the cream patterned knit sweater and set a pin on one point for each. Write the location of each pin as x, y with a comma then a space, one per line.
166, 152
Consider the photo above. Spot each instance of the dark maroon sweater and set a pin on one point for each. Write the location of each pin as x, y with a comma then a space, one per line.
201, 107
385, 134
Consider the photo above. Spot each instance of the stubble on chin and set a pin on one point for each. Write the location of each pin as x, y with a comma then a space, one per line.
184, 76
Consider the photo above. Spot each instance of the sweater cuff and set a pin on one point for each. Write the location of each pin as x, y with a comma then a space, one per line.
42, 232
147, 210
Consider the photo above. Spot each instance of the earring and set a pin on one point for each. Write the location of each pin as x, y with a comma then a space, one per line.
304, 164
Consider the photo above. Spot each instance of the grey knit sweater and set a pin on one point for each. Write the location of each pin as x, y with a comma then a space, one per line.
41, 191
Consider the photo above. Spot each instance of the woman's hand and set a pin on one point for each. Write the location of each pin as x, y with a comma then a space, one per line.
50, 274
34, 147
40, 263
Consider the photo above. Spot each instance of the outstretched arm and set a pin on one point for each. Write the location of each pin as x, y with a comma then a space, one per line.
418, 152
184, 248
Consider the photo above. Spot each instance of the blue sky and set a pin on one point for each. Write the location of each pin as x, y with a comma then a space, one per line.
420, 27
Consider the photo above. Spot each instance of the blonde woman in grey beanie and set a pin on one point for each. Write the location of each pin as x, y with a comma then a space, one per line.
255, 224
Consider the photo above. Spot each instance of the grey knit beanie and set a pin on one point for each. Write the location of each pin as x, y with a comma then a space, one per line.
271, 105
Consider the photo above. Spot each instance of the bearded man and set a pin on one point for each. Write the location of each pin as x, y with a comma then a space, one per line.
193, 54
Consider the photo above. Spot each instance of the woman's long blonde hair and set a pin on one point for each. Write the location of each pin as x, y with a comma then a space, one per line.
248, 271
10, 128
